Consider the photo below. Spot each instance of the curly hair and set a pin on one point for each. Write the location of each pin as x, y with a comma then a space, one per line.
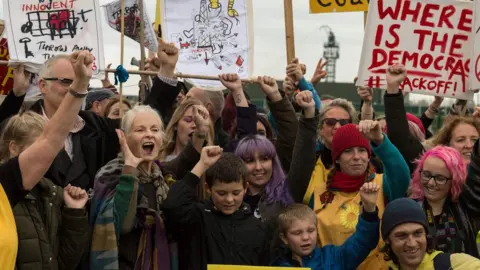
455, 165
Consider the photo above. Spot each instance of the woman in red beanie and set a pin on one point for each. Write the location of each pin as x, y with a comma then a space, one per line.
336, 199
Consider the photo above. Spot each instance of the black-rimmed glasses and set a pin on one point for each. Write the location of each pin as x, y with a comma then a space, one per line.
438, 179
63, 81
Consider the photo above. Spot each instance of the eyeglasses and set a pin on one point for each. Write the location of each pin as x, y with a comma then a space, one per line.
332, 121
65, 82
438, 179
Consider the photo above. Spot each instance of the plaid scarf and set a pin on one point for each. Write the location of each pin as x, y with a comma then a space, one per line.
153, 251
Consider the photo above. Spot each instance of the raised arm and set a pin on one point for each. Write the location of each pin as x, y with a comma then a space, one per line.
303, 159
365, 238
164, 91
285, 118
395, 116
180, 207
396, 176
36, 159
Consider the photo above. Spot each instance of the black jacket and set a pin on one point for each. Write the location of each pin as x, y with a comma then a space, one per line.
98, 139
206, 236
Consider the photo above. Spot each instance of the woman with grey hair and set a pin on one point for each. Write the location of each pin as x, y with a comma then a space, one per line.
334, 115
129, 190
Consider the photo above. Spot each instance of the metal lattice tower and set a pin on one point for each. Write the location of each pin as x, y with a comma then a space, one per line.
331, 54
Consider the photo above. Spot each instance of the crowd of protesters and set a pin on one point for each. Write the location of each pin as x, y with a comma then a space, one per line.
192, 177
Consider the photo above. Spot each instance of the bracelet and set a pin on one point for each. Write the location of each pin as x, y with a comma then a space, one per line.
433, 110
77, 94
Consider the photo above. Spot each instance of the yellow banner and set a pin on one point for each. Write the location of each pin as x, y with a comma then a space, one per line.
328, 6
240, 267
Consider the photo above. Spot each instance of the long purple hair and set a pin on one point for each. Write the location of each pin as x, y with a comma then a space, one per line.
276, 189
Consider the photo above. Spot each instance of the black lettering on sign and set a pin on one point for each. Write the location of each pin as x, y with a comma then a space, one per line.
340, 4
321, 3
25, 42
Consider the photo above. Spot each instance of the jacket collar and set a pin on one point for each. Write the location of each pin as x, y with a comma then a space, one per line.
242, 211
427, 262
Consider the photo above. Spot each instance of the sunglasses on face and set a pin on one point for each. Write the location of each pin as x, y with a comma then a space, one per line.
65, 82
332, 121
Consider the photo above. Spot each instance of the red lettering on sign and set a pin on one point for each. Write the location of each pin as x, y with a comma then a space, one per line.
382, 13
378, 36
396, 38
427, 14
465, 22
436, 42
406, 11
421, 38
447, 12
456, 44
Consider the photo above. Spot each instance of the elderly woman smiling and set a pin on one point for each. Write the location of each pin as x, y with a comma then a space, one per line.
133, 186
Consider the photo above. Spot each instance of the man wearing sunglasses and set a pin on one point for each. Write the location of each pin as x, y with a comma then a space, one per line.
92, 141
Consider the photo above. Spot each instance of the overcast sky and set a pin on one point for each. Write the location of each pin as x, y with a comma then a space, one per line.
269, 40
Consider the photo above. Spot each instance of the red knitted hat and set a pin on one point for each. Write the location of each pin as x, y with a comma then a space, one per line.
347, 137
418, 122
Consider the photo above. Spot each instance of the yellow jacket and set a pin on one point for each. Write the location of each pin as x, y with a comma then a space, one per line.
458, 261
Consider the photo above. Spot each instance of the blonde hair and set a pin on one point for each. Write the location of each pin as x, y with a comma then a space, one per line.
295, 212
18, 129
340, 103
171, 132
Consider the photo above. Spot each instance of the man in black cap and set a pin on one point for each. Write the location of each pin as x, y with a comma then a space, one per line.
408, 245
97, 100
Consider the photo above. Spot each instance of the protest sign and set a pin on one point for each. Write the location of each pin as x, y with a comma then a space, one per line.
327, 6
38, 30
432, 39
213, 36
475, 63
6, 72
132, 22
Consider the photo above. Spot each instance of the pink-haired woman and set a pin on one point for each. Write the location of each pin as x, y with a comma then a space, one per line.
439, 184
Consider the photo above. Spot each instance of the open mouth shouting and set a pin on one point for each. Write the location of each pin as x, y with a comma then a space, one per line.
148, 148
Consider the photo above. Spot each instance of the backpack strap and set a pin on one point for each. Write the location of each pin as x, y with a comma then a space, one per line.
442, 261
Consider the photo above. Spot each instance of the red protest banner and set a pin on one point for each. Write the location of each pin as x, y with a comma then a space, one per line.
432, 39
6, 72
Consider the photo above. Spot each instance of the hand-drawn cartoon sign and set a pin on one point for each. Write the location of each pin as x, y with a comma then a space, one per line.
38, 30
212, 35
327, 6
6, 72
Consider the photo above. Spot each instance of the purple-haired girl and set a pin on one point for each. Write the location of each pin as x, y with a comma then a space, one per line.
268, 192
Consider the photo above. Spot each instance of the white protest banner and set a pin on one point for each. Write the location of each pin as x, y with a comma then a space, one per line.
433, 39
213, 36
132, 22
40, 29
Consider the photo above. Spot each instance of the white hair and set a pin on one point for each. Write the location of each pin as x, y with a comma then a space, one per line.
45, 70
130, 115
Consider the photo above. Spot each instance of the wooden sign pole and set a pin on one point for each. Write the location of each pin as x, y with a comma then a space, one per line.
143, 79
122, 48
289, 33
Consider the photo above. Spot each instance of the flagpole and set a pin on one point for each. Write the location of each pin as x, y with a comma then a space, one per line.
143, 80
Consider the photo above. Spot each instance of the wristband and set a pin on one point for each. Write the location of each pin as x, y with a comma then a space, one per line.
77, 94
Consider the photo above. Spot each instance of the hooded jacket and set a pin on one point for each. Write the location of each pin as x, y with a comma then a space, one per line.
207, 236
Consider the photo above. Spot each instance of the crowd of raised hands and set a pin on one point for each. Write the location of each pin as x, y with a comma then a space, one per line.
193, 177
